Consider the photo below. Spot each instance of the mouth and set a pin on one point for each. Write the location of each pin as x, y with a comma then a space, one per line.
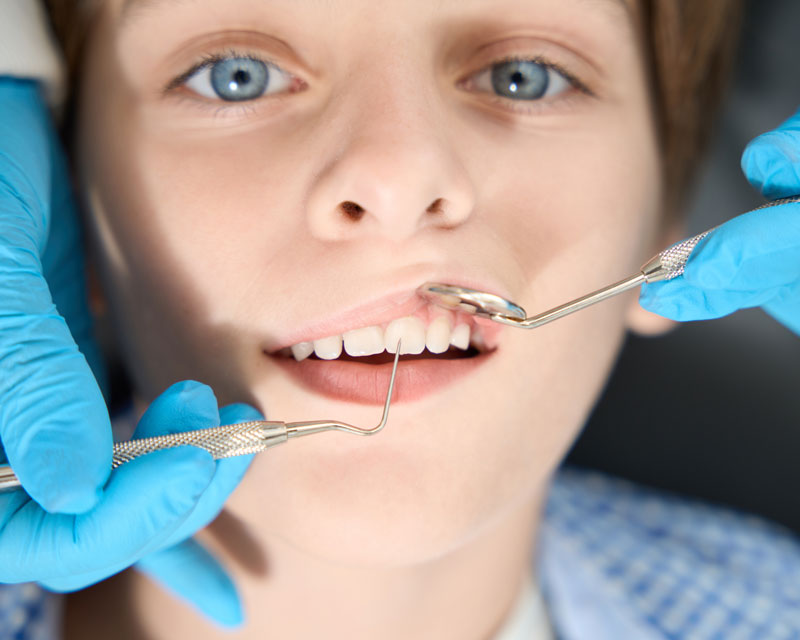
437, 348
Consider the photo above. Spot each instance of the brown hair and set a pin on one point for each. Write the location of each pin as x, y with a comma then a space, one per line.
689, 45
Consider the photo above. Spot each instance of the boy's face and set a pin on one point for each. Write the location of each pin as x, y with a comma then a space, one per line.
499, 144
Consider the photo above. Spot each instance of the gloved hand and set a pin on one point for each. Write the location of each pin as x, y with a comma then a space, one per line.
54, 426
149, 505
752, 260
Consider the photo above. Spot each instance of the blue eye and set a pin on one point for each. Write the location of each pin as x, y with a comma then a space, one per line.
521, 80
236, 79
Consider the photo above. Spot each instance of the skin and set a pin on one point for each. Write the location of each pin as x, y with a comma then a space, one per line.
218, 225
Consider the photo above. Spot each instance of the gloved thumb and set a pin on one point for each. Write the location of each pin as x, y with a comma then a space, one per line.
771, 161
193, 574
183, 566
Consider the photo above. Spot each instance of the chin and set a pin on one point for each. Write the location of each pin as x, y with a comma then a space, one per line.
365, 507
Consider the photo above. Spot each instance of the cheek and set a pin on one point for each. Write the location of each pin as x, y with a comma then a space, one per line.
581, 214
186, 234
584, 214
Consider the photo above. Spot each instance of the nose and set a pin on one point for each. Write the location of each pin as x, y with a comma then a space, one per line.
393, 172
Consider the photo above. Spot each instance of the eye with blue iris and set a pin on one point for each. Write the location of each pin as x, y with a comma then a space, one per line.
523, 80
237, 78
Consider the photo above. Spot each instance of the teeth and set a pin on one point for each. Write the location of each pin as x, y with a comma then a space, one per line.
411, 330
302, 350
437, 338
328, 348
478, 342
460, 337
364, 342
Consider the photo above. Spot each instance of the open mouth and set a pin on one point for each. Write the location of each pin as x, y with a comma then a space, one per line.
436, 348
453, 353
445, 334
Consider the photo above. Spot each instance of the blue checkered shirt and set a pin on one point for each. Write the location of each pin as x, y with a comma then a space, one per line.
616, 562
621, 561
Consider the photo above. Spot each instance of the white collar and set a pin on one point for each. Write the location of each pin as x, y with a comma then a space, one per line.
528, 618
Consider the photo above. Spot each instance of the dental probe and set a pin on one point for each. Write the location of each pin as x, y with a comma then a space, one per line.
666, 265
229, 440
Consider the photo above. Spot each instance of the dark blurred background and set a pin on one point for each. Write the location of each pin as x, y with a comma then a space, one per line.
713, 409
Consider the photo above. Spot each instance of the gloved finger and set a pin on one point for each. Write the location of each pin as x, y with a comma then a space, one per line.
185, 406
226, 478
53, 420
749, 261
679, 300
756, 250
771, 161
193, 574
138, 511
184, 566
785, 308
190, 405
63, 262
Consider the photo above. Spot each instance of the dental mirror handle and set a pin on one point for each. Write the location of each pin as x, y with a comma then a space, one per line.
666, 265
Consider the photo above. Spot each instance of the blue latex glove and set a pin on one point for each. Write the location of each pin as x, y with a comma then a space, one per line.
752, 260
149, 506
54, 426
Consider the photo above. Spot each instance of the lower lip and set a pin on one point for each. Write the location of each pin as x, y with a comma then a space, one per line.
369, 383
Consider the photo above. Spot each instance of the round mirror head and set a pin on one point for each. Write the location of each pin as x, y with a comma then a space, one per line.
470, 301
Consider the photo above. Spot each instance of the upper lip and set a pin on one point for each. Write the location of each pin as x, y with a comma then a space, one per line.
376, 310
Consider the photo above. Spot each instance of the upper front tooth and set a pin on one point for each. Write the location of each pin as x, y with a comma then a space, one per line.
364, 342
460, 337
302, 350
328, 348
437, 338
412, 332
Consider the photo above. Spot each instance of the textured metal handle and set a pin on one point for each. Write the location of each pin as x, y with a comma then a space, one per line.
671, 262
221, 442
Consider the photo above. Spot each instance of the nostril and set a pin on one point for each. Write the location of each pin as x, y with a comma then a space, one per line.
352, 210
437, 206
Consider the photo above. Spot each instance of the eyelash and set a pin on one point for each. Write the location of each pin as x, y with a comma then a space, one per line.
208, 61
221, 106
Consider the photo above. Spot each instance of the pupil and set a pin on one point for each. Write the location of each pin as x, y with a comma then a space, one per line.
241, 77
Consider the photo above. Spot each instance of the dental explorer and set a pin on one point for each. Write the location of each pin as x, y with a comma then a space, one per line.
229, 440
666, 265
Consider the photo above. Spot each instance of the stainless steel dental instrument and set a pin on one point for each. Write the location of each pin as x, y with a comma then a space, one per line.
666, 265
229, 440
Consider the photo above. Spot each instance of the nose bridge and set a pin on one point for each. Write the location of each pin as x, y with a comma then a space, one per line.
394, 168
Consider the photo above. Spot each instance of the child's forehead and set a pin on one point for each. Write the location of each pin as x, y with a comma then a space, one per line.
584, 25
618, 8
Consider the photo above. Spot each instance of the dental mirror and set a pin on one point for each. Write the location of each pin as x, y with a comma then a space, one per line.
471, 301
